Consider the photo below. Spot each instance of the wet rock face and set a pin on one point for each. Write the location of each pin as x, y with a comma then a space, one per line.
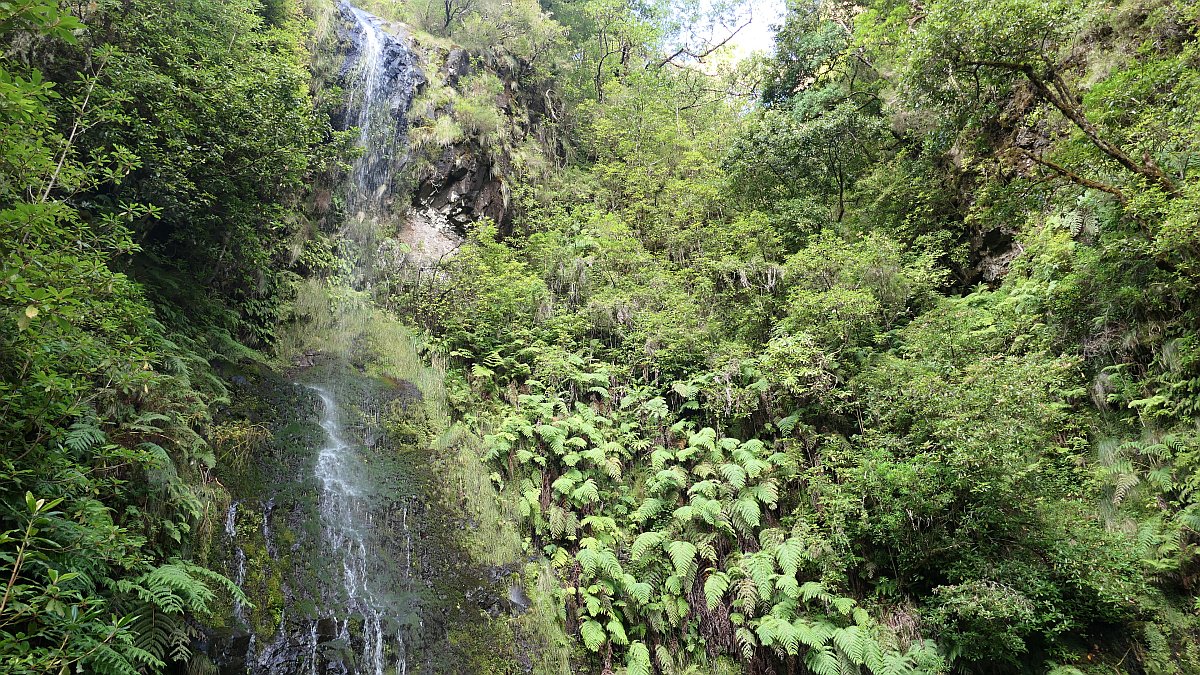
383, 75
356, 573
458, 64
463, 187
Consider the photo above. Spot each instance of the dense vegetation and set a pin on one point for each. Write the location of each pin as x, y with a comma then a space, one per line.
877, 353
131, 147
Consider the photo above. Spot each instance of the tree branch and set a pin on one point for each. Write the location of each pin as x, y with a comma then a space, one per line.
1072, 176
1059, 94
685, 51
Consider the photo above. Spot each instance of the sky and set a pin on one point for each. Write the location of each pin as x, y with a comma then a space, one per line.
758, 35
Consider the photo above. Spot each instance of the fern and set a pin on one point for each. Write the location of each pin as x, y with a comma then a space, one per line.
703, 439
587, 493
105, 660
746, 514
761, 568
637, 661
844, 605
639, 590
552, 436
822, 661
746, 642
648, 509
734, 474
715, 587
83, 436
777, 633
790, 554
163, 636
646, 541
852, 641
616, 632
612, 467
565, 483
593, 634
683, 557
812, 590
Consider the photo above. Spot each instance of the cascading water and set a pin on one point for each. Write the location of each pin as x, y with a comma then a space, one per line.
341, 589
347, 517
239, 558
369, 611
383, 78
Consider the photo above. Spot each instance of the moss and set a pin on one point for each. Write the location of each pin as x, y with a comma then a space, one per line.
484, 647
395, 404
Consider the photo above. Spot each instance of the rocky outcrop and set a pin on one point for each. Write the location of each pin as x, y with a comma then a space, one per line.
464, 188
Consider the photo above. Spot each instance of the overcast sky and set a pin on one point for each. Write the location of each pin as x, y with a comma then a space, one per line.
758, 35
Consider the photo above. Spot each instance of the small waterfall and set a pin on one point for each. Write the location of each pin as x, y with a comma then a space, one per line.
239, 559
348, 528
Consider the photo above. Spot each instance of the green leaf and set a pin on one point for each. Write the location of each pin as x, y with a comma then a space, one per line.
683, 557
593, 634
637, 661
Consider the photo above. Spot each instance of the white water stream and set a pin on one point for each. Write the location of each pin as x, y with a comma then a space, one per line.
383, 81
348, 530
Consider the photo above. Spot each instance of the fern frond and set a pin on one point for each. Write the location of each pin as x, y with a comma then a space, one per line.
637, 661
683, 557
646, 541
715, 587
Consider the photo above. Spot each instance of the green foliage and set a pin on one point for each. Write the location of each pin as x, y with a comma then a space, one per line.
844, 380
876, 354
213, 102
112, 136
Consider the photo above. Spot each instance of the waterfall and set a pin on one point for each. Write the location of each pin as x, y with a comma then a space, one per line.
348, 528
239, 559
382, 77
344, 589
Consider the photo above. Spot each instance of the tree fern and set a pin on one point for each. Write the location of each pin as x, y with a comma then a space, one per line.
82, 436
747, 594
703, 439
565, 483
843, 605
746, 641
760, 567
103, 659
778, 634
586, 493
641, 591
552, 436
746, 514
